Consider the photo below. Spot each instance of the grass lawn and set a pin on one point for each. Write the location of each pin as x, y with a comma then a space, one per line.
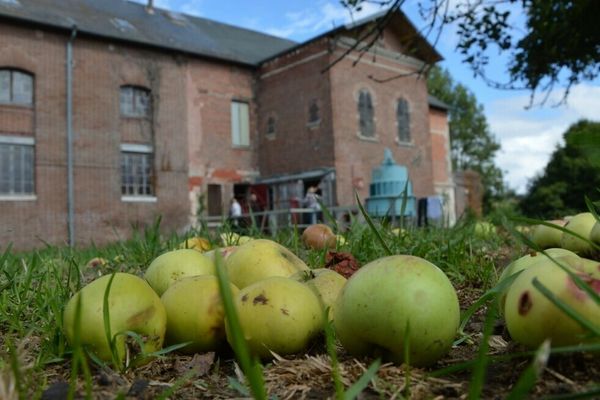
37, 362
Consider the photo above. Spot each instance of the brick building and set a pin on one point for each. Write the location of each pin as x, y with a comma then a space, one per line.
113, 113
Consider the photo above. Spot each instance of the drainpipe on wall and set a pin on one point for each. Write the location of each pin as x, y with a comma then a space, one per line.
70, 191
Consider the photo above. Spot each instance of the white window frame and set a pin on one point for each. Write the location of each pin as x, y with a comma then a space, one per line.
240, 123
139, 149
20, 141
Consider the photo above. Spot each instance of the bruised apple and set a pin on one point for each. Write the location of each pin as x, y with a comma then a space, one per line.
279, 315
531, 318
319, 237
133, 306
195, 313
394, 302
173, 265
260, 259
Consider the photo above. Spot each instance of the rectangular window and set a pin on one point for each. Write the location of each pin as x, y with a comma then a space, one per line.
137, 171
16, 166
134, 101
240, 124
16, 87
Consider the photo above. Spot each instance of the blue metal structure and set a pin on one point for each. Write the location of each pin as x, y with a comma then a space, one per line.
390, 191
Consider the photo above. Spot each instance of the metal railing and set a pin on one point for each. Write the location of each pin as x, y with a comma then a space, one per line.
274, 220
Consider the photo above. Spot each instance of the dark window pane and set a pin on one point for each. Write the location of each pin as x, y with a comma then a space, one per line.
22, 88
314, 112
366, 114
4, 86
403, 121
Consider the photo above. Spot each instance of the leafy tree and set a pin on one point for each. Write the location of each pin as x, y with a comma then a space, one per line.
472, 144
569, 176
560, 42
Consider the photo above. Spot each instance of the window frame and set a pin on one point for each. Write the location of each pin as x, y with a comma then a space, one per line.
314, 110
11, 81
135, 149
399, 125
369, 113
23, 142
136, 92
239, 137
271, 128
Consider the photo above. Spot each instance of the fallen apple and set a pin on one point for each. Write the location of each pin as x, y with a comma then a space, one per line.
167, 268
234, 239
132, 305
394, 302
319, 237
224, 251
326, 283
531, 318
195, 313
525, 262
260, 259
582, 225
197, 243
595, 234
484, 229
278, 314
545, 236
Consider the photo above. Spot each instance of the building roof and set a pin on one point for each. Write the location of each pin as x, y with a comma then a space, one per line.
132, 22
437, 103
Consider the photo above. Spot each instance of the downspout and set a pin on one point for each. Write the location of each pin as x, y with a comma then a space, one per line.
70, 191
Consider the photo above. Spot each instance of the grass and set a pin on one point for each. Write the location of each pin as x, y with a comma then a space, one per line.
35, 286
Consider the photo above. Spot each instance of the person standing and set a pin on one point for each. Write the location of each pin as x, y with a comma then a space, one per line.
311, 200
235, 213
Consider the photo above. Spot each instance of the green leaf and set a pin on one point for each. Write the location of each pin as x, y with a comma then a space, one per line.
362, 383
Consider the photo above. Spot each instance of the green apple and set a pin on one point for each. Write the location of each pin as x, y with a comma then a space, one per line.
319, 237
234, 239
326, 283
484, 229
531, 318
260, 259
278, 314
545, 236
225, 252
167, 268
582, 225
595, 233
525, 262
195, 313
133, 306
591, 267
197, 243
394, 302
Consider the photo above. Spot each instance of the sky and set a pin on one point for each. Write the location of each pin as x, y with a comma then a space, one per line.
527, 135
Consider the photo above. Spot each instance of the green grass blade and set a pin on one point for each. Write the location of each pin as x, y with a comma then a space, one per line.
362, 383
335, 366
564, 307
592, 208
15, 368
250, 366
529, 377
107, 329
386, 248
481, 363
591, 393
328, 215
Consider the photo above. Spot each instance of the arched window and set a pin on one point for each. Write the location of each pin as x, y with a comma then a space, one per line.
366, 114
314, 113
135, 101
16, 87
270, 126
403, 120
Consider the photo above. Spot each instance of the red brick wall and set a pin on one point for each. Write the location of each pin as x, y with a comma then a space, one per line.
438, 120
100, 68
210, 89
287, 86
355, 157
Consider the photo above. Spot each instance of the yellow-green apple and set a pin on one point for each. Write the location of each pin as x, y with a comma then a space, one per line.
545, 236
525, 262
197, 243
484, 229
595, 234
167, 268
326, 283
531, 318
319, 237
394, 302
260, 259
224, 251
234, 239
133, 306
278, 314
195, 313
582, 225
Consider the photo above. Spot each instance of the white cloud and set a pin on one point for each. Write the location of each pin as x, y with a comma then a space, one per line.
309, 22
529, 136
